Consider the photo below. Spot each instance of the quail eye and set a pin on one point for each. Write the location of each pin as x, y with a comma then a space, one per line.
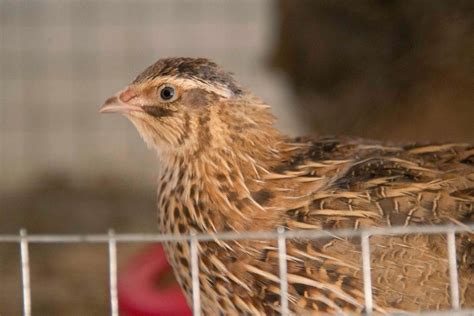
167, 93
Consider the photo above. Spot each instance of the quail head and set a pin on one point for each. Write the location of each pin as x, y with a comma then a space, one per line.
223, 166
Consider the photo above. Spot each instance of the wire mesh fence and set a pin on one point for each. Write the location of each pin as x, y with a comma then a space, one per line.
112, 239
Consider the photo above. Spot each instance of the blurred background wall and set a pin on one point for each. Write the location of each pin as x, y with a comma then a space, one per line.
61, 59
394, 70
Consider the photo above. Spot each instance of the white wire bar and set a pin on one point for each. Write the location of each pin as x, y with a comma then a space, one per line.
465, 312
265, 235
283, 272
114, 310
195, 276
453, 270
365, 244
25, 273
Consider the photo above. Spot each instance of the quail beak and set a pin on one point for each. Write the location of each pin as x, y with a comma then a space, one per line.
120, 103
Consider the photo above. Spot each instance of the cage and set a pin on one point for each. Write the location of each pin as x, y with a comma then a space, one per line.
68, 175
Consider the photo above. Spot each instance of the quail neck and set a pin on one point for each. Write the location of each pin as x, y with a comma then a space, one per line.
214, 140
225, 167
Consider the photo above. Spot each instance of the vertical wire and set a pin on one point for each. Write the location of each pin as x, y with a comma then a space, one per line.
25, 273
195, 276
369, 304
283, 271
113, 274
453, 271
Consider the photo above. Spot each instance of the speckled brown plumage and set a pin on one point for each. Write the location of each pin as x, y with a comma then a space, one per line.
224, 167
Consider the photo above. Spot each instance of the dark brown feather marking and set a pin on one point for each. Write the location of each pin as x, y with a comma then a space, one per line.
157, 111
262, 196
377, 167
198, 97
186, 129
204, 131
469, 160
299, 288
190, 68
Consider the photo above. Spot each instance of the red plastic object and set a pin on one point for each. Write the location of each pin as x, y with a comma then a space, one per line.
139, 292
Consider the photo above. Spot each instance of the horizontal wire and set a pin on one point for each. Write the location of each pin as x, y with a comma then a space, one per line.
263, 235
464, 312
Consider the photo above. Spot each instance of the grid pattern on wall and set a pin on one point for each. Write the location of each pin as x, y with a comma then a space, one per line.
59, 60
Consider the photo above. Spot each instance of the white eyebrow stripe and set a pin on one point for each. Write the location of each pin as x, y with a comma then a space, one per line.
187, 83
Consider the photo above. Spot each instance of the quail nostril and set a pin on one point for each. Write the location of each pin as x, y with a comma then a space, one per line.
127, 95
110, 100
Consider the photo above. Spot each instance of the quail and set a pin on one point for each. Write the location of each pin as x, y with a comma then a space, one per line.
223, 166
